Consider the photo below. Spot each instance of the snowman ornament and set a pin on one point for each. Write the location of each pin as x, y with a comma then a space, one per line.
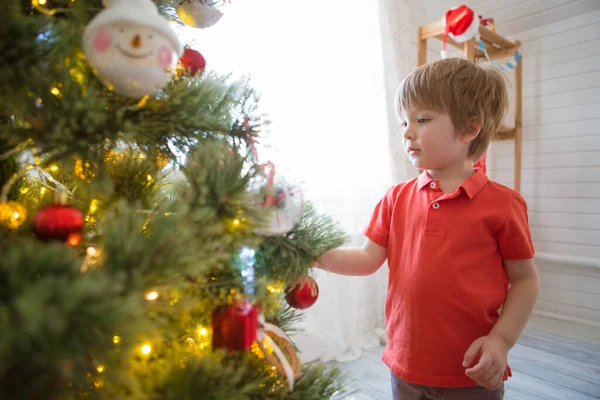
131, 47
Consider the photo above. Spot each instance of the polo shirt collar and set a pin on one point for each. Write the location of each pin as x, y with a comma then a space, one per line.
472, 185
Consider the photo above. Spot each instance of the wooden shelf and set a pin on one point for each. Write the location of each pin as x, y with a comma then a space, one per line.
497, 48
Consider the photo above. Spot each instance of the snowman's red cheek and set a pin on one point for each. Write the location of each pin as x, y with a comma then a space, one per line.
165, 56
102, 40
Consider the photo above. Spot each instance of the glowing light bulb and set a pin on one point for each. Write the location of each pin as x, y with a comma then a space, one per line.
149, 177
91, 251
93, 206
236, 221
53, 168
116, 339
202, 332
100, 369
55, 91
146, 349
151, 296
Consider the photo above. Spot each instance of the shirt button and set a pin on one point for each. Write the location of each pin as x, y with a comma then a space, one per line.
435, 205
433, 185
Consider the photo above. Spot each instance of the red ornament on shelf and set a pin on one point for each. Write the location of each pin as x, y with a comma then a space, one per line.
303, 295
59, 222
193, 61
234, 327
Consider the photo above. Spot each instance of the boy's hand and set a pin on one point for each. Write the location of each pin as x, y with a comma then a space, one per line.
489, 370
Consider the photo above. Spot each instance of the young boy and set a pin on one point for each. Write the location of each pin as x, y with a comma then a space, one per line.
454, 240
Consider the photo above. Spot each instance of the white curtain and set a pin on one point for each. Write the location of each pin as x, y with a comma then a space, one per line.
321, 72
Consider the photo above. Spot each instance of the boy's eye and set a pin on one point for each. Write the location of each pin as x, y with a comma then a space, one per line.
423, 120
404, 124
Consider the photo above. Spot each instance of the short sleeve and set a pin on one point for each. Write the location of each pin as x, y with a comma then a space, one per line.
514, 236
378, 228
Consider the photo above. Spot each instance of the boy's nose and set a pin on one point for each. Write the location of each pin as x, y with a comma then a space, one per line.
408, 133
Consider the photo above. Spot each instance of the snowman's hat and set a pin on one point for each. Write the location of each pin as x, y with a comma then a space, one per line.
139, 12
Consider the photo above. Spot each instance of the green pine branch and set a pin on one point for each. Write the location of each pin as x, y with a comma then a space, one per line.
289, 256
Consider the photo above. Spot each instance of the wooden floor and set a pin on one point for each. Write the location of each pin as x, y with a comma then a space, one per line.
545, 366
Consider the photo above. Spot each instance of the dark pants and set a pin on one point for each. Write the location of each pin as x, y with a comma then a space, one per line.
403, 390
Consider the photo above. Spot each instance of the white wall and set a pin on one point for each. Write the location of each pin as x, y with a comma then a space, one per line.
561, 163
561, 147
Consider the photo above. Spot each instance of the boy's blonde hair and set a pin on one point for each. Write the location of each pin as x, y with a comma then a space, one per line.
462, 89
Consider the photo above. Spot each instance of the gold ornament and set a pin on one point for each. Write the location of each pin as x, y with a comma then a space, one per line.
12, 214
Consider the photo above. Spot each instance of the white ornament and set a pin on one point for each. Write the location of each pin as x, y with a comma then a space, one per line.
132, 49
199, 13
285, 203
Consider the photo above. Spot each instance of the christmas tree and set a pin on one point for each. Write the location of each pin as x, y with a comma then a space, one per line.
145, 250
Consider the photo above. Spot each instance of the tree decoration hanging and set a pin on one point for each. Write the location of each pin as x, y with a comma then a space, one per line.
302, 295
285, 201
132, 49
277, 348
234, 326
200, 13
59, 222
192, 61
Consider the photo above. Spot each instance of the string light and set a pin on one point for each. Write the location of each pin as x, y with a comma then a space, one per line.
151, 296
91, 259
39, 5
55, 91
53, 168
43, 191
12, 214
274, 289
74, 239
100, 369
236, 222
146, 349
143, 101
149, 177
116, 339
93, 206
98, 382
84, 170
202, 331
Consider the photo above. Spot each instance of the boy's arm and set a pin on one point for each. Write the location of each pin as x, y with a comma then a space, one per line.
520, 299
493, 349
353, 261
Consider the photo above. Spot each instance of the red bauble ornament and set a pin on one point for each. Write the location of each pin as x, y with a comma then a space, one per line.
59, 222
303, 295
234, 327
193, 61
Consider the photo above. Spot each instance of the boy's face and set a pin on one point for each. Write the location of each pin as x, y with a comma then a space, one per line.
430, 140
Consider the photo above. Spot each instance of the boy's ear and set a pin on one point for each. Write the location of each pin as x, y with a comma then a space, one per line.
472, 130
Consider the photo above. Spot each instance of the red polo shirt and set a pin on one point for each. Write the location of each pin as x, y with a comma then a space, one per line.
446, 277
